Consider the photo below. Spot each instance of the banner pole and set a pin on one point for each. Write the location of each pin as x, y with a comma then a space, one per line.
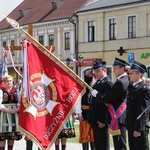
16, 26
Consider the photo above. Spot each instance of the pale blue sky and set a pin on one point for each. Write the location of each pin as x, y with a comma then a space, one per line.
6, 6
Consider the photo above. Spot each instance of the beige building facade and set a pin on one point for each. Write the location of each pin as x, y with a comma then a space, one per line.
103, 31
42, 30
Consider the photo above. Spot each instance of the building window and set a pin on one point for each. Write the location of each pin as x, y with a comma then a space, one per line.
132, 27
112, 29
91, 31
67, 41
4, 44
41, 39
51, 39
12, 42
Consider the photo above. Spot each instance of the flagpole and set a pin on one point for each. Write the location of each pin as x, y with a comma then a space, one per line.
16, 26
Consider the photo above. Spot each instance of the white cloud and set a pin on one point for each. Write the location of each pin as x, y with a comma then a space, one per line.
7, 6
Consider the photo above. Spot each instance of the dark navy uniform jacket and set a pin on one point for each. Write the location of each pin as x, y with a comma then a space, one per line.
116, 96
138, 100
99, 111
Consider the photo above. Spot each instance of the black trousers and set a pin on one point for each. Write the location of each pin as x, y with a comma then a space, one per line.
120, 140
101, 138
138, 143
29, 145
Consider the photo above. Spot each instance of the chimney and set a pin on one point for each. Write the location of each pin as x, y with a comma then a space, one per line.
21, 13
54, 4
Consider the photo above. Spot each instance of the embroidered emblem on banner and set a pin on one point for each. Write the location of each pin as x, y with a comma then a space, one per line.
42, 101
39, 95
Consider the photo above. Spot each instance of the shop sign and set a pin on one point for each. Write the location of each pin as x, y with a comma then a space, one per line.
90, 62
130, 57
145, 55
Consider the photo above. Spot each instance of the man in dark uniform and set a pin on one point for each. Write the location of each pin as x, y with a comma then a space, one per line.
116, 99
137, 108
98, 111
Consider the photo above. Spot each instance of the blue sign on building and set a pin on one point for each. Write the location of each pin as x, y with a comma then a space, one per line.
130, 57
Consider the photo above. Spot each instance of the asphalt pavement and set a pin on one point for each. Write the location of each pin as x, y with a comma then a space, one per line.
21, 145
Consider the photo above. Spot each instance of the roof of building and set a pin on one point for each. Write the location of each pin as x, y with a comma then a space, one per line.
66, 10
35, 11
103, 4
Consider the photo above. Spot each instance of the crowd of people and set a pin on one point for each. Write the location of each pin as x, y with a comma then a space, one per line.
120, 108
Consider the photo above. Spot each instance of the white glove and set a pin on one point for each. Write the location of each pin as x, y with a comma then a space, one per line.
94, 93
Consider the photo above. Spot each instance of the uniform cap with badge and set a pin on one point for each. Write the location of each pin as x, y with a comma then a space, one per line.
136, 66
99, 64
120, 62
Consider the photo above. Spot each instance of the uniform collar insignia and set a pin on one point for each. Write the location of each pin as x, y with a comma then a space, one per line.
136, 86
102, 81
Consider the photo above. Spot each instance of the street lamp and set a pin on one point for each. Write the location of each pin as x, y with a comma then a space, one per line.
80, 58
68, 61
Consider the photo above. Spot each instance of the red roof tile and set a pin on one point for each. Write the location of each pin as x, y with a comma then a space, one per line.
41, 11
66, 10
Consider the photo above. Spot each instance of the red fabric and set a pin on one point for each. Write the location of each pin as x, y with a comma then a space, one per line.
65, 90
11, 91
76, 62
114, 122
10, 94
116, 114
1, 82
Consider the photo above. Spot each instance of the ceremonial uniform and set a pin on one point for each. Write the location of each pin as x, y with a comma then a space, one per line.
137, 114
116, 99
9, 116
98, 111
68, 131
9, 122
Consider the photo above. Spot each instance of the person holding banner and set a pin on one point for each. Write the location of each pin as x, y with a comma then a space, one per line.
98, 112
9, 114
138, 102
116, 102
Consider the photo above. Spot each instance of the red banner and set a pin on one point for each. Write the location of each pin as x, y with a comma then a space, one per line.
50, 96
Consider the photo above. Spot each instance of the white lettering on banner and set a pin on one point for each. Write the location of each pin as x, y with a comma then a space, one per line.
65, 105
72, 94
54, 123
